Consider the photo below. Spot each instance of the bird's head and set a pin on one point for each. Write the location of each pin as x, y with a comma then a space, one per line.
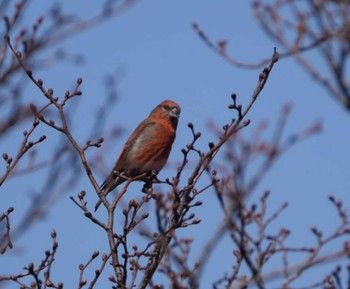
168, 110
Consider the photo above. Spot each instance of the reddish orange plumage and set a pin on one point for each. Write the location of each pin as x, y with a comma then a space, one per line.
148, 148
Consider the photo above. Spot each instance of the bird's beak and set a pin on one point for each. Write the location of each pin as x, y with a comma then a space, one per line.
175, 112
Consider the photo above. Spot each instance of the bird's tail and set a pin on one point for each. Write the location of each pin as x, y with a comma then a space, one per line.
104, 188
99, 202
109, 185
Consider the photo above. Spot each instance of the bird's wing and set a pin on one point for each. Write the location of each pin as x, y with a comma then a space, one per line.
140, 138
147, 149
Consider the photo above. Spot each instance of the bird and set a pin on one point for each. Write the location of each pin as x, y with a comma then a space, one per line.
147, 149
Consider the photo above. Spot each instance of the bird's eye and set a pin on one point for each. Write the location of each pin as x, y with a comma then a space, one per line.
167, 107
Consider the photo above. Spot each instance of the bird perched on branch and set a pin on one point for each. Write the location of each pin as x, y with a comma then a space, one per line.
147, 149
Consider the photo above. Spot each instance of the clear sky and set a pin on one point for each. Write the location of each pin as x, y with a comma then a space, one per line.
159, 56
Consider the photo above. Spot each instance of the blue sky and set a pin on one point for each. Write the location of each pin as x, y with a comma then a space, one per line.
158, 56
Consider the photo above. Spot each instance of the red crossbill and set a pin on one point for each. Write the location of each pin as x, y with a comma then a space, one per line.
147, 149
